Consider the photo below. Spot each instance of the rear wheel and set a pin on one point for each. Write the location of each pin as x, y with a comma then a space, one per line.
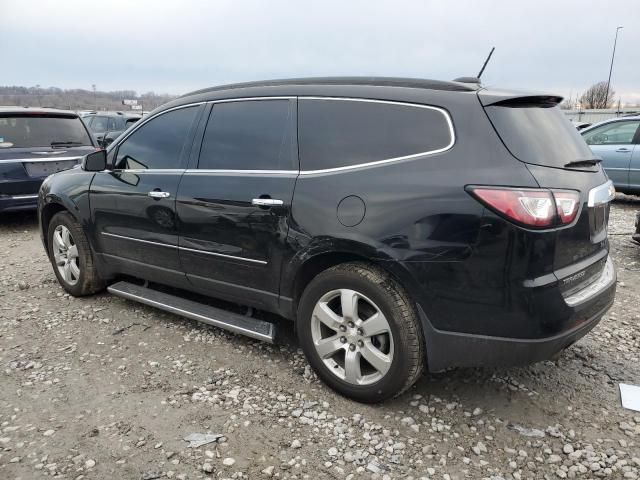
71, 257
360, 332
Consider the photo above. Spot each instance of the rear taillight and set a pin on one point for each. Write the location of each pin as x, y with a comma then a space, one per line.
537, 208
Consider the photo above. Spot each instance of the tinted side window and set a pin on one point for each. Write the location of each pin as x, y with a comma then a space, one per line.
158, 143
113, 124
249, 135
338, 133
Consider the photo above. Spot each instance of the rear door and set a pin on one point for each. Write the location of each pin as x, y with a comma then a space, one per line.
133, 205
537, 133
234, 206
613, 142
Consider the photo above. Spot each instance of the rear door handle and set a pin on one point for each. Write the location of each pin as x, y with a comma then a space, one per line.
623, 150
157, 194
266, 202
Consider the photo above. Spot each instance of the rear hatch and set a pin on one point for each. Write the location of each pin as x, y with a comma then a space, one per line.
537, 133
34, 145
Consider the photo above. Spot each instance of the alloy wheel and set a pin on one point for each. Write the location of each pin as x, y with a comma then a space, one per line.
352, 337
65, 254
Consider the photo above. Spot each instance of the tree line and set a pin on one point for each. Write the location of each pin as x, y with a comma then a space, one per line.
77, 99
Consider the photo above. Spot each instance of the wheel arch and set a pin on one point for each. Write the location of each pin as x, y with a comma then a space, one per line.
46, 213
312, 265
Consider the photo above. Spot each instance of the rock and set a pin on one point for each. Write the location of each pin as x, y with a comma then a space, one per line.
90, 463
554, 459
333, 452
48, 433
479, 449
207, 468
229, 462
568, 448
296, 444
268, 472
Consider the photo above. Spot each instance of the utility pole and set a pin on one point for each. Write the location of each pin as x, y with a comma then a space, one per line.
606, 97
95, 103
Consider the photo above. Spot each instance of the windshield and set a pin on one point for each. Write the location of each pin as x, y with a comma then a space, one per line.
24, 131
541, 135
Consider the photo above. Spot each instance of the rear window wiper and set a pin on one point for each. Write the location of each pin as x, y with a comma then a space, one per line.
65, 144
583, 163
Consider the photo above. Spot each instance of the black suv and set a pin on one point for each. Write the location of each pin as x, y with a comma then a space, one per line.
107, 126
398, 222
34, 143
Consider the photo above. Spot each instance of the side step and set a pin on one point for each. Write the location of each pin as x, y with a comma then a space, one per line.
251, 327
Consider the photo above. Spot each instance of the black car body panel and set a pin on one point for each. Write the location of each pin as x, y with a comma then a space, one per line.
489, 291
30, 152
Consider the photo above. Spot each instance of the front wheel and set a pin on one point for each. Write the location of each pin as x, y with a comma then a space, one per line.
360, 332
71, 257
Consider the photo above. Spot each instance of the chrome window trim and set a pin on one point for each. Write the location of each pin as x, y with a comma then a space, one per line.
39, 160
387, 160
249, 99
149, 170
444, 112
601, 194
205, 171
195, 250
150, 117
215, 254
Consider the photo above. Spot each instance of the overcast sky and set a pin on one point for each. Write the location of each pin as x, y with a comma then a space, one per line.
176, 46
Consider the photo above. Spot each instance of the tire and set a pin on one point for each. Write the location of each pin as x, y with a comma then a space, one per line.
339, 352
71, 257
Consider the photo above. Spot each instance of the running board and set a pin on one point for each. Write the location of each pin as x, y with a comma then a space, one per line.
251, 327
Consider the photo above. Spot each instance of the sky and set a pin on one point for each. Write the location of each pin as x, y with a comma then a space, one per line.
559, 46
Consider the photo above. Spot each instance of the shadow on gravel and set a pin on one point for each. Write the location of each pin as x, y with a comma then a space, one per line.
18, 219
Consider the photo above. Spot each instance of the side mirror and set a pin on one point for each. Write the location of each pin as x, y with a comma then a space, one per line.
95, 162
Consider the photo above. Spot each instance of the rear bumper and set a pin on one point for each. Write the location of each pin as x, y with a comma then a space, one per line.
455, 349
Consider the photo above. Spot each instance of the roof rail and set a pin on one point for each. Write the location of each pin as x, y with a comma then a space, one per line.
467, 80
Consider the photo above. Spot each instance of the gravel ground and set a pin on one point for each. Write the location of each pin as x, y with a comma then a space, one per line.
104, 388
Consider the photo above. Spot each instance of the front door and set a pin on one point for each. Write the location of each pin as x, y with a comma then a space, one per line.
234, 206
613, 142
133, 205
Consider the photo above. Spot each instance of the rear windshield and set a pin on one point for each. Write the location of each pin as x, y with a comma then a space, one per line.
541, 135
24, 131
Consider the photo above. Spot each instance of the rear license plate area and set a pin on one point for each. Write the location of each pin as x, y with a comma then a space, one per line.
43, 169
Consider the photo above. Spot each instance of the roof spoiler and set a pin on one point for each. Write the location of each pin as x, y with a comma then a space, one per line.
515, 99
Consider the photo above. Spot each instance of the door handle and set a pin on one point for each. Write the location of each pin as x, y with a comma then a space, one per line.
623, 150
266, 202
157, 194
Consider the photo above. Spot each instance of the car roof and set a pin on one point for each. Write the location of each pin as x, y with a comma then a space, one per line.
113, 114
344, 81
36, 110
610, 120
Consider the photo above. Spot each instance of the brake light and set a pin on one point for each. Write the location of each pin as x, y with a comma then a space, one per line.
538, 208
567, 203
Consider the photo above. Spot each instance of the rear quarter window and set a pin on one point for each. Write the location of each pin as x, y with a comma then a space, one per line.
347, 132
